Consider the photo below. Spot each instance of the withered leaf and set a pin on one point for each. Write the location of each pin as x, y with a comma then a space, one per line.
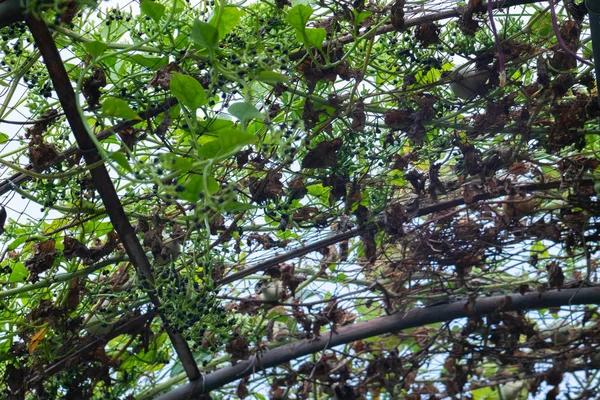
416, 132
417, 180
556, 278
495, 117
397, 15
242, 390
359, 118
238, 348
297, 188
338, 187
97, 252
313, 73
163, 127
561, 61
306, 213
472, 159
369, 246
395, 217
242, 158
129, 137
542, 71
120, 278
562, 83
450, 365
518, 168
14, 377
309, 115
274, 109
41, 154
428, 33
217, 223
469, 306
554, 376
249, 307
268, 188
162, 77
74, 248
354, 197
276, 393
324, 155
398, 119
466, 23
73, 295
2, 219
42, 260
91, 87
468, 194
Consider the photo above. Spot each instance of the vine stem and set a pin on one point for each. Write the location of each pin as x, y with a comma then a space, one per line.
559, 38
501, 67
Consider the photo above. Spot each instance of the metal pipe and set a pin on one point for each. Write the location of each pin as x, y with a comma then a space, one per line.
394, 322
593, 7
10, 12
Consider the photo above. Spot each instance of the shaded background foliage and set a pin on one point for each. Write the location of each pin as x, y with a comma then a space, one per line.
294, 172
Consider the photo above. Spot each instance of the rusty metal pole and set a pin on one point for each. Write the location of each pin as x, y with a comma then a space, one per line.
593, 7
10, 12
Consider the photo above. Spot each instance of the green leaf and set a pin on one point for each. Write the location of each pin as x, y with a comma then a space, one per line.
95, 48
244, 111
315, 36
485, 393
180, 6
19, 273
17, 242
229, 20
318, 190
152, 9
120, 159
361, 16
153, 63
272, 77
234, 206
226, 141
205, 35
188, 91
175, 111
539, 250
174, 162
194, 185
114, 107
3, 138
298, 16
214, 125
542, 24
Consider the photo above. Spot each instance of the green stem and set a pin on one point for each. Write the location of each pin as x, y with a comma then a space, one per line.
46, 282
14, 84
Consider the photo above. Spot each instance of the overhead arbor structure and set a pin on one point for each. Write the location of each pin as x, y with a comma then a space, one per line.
302, 200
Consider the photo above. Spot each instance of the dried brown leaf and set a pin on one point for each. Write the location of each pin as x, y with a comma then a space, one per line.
323, 155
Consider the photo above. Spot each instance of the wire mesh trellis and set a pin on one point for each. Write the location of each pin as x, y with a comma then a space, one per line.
164, 173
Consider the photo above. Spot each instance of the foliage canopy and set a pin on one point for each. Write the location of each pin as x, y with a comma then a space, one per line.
219, 186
